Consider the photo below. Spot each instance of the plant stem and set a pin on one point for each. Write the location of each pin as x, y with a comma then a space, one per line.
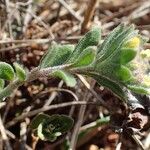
31, 76
9, 89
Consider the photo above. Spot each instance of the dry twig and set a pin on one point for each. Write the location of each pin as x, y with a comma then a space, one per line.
88, 15
4, 135
46, 108
71, 11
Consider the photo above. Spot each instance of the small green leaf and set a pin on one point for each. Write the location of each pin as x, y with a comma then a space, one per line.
91, 38
61, 123
127, 54
20, 72
124, 74
66, 76
6, 71
2, 84
139, 89
109, 52
86, 58
50, 127
38, 119
113, 43
56, 55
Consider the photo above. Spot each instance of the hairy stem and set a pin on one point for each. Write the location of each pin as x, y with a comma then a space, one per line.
9, 89
31, 76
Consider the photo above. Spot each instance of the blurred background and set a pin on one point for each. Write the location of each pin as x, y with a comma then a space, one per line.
27, 28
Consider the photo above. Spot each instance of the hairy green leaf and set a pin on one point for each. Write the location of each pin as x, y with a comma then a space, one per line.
56, 55
105, 45
108, 60
86, 58
114, 86
50, 127
20, 72
127, 54
66, 76
6, 71
112, 45
139, 89
124, 74
91, 38
62, 123
38, 119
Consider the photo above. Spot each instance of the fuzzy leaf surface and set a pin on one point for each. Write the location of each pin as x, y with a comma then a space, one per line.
20, 72
6, 71
66, 76
56, 55
124, 74
139, 89
48, 128
91, 38
108, 60
38, 119
86, 58
114, 86
127, 54
113, 43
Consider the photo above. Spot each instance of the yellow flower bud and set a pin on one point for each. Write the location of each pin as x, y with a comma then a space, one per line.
133, 43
